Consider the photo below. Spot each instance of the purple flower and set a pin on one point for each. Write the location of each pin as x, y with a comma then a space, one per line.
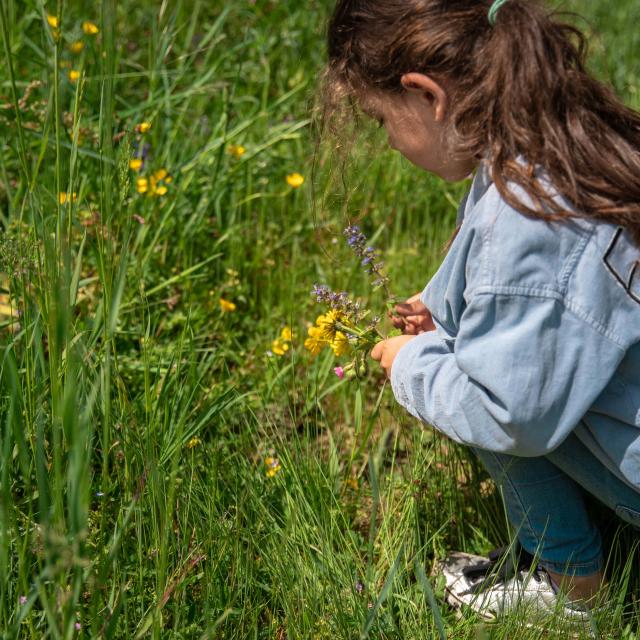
359, 586
337, 301
367, 254
141, 151
22, 600
339, 371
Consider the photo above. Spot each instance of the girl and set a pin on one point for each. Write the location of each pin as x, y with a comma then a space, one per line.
525, 346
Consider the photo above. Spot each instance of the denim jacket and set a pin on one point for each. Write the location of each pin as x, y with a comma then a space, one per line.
537, 336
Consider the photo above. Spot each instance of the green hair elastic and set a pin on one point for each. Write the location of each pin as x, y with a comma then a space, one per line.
493, 11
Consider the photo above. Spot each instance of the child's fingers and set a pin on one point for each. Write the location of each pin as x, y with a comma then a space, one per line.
411, 308
408, 326
405, 309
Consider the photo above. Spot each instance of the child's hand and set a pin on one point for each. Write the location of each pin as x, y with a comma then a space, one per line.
387, 350
412, 317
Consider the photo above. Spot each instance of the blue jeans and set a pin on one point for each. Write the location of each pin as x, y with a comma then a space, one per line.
545, 501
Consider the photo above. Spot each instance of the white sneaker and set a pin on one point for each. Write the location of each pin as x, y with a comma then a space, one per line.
494, 587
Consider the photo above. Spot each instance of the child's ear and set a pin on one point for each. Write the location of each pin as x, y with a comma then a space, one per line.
429, 89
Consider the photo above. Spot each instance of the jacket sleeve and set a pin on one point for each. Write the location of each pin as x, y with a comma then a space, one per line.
520, 374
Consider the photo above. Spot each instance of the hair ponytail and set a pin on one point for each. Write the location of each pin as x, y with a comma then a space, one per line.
521, 97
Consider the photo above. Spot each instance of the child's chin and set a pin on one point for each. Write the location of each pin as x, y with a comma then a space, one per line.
457, 174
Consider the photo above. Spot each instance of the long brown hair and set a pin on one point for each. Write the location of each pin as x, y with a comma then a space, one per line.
519, 91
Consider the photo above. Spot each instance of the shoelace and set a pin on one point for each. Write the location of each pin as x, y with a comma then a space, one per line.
502, 565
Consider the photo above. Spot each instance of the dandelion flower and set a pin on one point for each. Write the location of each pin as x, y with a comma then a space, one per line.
273, 466
315, 342
143, 127
76, 47
7, 307
352, 483
295, 180
135, 164
279, 347
194, 442
65, 196
329, 321
74, 75
236, 150
286, 334
90, 28
53, 21
339, 344
156, 189
142, 185
226, 305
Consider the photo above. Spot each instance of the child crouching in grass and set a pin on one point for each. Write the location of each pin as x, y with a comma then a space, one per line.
525, 346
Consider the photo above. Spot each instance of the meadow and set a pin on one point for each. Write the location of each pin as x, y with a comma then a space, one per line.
174, 463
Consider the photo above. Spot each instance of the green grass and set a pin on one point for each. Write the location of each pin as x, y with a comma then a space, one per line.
137, 414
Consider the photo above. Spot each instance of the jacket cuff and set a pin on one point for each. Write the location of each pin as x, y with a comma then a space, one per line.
401, 370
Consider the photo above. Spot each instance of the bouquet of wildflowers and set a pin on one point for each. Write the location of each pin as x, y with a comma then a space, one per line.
344, 328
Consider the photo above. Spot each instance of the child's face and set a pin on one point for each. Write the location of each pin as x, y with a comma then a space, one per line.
415, 122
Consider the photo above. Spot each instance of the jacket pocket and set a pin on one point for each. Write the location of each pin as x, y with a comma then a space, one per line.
629, 515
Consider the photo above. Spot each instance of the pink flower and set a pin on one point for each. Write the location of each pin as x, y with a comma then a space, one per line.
339, 371
77, 626
23, 599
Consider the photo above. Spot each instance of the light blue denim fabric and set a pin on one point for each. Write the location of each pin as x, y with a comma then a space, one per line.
559, 531
537, 337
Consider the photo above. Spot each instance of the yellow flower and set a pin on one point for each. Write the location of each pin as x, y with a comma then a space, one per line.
226, 305
315, 342
74, 75
154, 185
194, 442
90, 28
76, 47
279, 347
328, 321
53, 21
339, 344
273, 466
352, 483
9, 313
64, 197
295, 180
236, 150
143, 127
7, 307
286, 334
156, 189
